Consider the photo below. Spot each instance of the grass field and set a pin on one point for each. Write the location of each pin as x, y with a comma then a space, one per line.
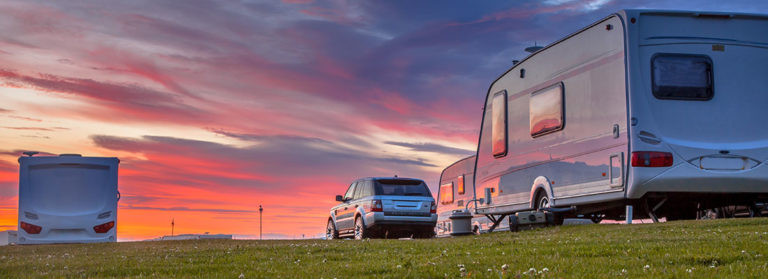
734, 248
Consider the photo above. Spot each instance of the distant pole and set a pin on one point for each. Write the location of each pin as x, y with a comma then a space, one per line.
172, 224
260, 210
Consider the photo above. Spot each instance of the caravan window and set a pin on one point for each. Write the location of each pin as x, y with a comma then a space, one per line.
460, 184
499, 124
682, 77
546, 110
446, 193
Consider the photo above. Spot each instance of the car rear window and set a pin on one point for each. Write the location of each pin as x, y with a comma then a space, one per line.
402, 187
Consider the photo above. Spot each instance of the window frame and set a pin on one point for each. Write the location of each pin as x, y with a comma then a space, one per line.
353, 188
710, 77
442, 193
537, 134
494, 142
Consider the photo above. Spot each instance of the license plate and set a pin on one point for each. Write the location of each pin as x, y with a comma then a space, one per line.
723, 163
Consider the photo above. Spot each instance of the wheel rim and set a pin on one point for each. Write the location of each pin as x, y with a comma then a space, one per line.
543, 203
358, 229
329, 231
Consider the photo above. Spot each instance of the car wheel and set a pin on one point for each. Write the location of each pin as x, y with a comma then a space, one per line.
330, 231
360, 231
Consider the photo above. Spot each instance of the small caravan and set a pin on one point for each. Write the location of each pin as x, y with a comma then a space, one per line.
456, 193
661, 110
67, 199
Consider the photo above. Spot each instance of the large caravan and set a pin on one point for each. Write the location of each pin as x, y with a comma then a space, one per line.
661, 110
67, 199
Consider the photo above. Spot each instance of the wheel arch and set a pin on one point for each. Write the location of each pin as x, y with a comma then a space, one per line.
541, 185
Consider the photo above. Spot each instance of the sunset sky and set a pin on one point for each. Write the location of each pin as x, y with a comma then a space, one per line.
216, 107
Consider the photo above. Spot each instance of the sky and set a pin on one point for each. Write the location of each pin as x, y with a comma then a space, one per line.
217, 107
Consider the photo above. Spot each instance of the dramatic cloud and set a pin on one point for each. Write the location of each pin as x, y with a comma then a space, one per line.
216, 107
431, 147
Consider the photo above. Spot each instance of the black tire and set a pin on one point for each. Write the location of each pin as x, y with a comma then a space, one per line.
597, 218
424, 234
514, 225
542, 201
361, 232
681, 214
330, 231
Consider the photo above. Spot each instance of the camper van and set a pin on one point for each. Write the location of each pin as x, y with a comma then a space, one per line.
660, 110
67, 199
456, 193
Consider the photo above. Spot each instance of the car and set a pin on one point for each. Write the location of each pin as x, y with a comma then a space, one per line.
386, 207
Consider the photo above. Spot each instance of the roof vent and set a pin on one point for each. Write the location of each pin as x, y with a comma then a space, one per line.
70, 155
30, 153
533, 49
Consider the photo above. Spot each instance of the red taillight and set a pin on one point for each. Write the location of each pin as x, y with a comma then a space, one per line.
433, 208
651, 159
103, 228
30, 229
376, 206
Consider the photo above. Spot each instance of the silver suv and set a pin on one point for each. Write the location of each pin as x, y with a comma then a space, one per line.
388, 207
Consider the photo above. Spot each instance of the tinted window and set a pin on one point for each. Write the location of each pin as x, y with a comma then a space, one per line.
546, 110
460, 184
446, 193
499, 124
364, 189
397, 187
350, 192
682, 77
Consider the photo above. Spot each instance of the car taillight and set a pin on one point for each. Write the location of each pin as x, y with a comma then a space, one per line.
651, 159
29, 228
433, 208
103, 228
376, 206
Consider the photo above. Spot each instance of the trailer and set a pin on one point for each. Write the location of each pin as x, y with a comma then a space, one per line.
457, 193
659, 110
67, 199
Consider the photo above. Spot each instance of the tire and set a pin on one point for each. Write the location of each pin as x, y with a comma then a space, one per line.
424, 234
681, 214
597, 218
330, 231
361, 232
542, 201
513, 223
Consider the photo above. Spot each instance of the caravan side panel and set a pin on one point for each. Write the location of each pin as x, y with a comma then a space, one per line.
584, 159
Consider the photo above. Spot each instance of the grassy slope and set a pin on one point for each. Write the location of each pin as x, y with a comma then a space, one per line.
735, 248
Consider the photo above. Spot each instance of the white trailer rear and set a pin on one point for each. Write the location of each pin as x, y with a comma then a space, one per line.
661, 110
67, 199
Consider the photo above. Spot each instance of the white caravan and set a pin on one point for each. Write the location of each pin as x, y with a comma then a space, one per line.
661, 110
457, 189
67, 199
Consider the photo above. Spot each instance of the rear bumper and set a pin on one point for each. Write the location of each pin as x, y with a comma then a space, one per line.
379, 219
685, 177
67, 229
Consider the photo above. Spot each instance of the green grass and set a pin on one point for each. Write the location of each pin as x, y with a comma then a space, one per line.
735, 248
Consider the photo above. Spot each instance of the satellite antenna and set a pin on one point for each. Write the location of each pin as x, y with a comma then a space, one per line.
30, 153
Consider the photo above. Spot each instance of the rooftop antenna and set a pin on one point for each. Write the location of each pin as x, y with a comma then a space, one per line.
534, 48
30, 153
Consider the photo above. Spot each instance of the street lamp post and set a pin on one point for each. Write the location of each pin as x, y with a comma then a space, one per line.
260, 210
